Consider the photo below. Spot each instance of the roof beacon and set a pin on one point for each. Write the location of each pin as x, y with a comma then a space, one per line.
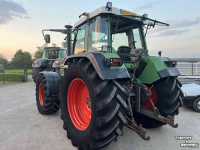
109, 6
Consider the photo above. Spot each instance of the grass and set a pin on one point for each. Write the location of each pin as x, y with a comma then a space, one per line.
12, 82
29, 71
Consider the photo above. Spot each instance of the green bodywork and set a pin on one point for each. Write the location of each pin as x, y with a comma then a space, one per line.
150, 73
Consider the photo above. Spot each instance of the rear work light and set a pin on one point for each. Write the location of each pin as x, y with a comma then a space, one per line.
113, 62
171, 63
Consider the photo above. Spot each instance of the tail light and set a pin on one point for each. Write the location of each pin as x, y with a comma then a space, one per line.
113, 62
171, 63
35, 62
58, 62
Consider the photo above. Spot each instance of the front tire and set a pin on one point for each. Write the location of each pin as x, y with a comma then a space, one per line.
35, 74
196, 104
169, 99
108, 107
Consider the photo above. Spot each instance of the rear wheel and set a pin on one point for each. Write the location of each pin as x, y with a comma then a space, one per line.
167, 97
94, 111
46, 104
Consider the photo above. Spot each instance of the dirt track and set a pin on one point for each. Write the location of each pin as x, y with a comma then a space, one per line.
22, 127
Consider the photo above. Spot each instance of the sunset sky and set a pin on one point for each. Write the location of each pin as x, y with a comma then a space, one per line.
21, 23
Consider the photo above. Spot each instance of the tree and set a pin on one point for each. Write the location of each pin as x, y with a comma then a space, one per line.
54, 45
64, 44
3, 60
21, 58
39, 52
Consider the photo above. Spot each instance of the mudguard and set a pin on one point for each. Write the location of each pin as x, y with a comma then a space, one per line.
154, 68
40, 62
55, 65
98, 61
53, 81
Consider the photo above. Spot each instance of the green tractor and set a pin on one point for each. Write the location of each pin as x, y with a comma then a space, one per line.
109, 81
52, 59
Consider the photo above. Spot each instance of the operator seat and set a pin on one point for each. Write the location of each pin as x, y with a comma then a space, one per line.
124, 49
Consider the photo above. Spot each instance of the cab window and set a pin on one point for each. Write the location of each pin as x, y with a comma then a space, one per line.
80, 39
98, 34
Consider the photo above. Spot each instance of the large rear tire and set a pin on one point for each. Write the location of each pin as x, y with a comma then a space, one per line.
169, 99
46, 102
108, 107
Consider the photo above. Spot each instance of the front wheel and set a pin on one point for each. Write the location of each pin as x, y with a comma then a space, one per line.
94, 111
196, 104
167, 97
35, 74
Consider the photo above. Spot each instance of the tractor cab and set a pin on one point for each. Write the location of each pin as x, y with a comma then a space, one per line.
112, 30
54, 53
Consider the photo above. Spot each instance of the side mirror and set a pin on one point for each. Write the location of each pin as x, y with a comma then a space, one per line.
159, 53
47, 38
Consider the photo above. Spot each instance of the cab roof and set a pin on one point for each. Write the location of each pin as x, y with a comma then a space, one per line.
54, 48
120, 12
104, 10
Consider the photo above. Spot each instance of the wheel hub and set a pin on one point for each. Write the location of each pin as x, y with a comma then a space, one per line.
198, 105
147, 104
79, 104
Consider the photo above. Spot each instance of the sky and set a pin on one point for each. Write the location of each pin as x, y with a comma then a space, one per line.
22, 22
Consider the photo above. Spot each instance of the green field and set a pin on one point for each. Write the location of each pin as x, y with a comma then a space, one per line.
14, 76
29, 71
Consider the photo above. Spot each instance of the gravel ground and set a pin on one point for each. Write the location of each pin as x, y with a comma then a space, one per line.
22, 127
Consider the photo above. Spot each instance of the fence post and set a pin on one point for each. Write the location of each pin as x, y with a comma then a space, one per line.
2, 71
25, 73
196, 69
192, 68
3, 79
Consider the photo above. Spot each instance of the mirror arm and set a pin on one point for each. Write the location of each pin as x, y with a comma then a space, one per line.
64, 31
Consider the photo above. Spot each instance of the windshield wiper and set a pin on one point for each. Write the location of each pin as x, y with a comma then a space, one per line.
147, 28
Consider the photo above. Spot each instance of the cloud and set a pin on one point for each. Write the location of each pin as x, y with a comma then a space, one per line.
171, 32
147, 6
9, 10
176, 25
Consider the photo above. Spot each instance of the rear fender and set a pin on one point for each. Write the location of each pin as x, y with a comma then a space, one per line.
56, 65
40, 62
98, 61
155, 69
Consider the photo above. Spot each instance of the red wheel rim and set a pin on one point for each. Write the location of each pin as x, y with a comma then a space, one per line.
78, 102
41, 94
153, 97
